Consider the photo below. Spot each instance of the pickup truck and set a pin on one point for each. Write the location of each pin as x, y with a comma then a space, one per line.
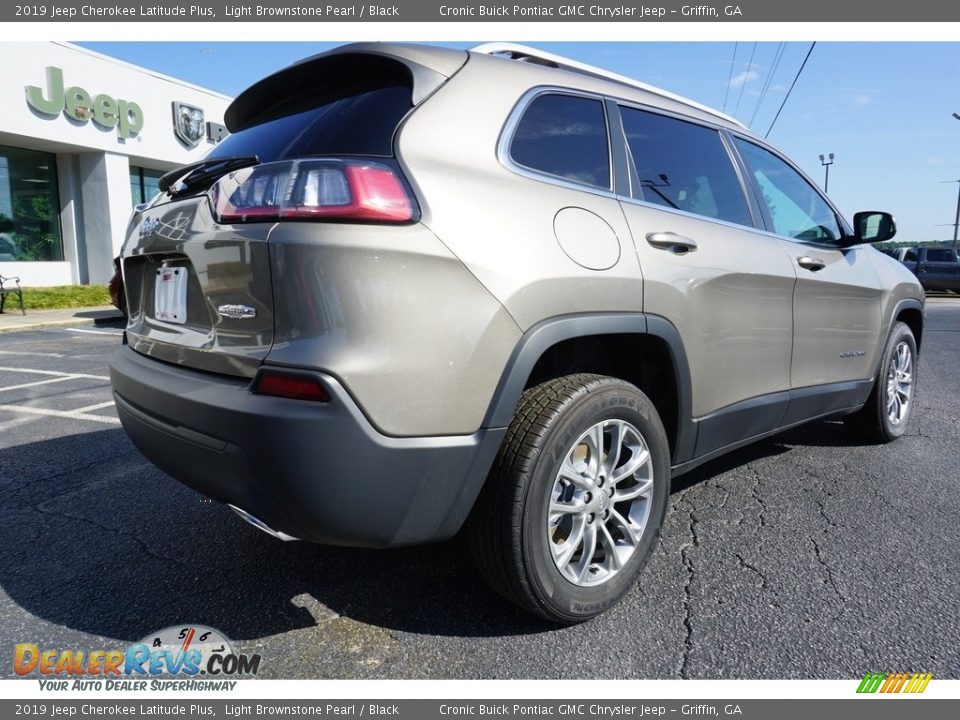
936, 268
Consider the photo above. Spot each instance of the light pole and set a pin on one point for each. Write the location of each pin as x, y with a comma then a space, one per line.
826, 162
956, 220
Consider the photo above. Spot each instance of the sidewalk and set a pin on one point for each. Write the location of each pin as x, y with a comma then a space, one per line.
12, 320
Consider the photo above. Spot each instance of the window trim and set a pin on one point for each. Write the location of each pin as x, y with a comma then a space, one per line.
622, 161
845, 230
758, 212
508, 133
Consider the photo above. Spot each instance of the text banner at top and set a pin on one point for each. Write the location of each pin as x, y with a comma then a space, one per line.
467, 11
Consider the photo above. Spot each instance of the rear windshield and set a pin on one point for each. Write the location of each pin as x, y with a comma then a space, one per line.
361, 124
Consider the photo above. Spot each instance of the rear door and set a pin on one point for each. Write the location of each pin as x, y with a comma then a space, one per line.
939, 270
836, 309
724, 284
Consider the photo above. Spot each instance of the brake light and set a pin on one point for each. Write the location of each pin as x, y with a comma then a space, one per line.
327, 190
294, 387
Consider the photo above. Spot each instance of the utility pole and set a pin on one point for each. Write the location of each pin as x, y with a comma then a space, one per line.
826, 164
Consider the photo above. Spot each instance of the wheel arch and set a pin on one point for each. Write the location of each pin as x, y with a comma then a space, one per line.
604, 343
910, 312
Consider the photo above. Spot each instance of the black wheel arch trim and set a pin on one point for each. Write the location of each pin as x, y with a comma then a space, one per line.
547, 333
904, 304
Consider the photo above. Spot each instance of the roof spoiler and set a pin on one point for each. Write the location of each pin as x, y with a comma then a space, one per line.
364, 65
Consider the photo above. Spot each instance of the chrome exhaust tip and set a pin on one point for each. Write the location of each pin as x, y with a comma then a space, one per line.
261, 525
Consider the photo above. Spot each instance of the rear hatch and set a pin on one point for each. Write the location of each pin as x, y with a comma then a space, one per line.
312, 143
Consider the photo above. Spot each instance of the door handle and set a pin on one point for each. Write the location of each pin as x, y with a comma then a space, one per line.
677, 244
811, 263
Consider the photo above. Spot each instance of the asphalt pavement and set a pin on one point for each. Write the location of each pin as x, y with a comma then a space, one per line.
806, 555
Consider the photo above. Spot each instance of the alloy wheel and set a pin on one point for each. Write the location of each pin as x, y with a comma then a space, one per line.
600, 503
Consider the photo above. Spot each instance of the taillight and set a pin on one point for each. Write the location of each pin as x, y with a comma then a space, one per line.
329, 190
294, 387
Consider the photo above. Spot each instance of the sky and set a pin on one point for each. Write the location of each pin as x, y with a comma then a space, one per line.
883, 109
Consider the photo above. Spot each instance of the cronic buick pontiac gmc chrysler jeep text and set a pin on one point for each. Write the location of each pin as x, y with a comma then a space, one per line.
420, 289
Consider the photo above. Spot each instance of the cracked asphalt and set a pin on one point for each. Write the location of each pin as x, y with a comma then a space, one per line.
806, 555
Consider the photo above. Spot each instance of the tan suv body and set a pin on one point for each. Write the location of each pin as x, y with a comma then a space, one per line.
423, 285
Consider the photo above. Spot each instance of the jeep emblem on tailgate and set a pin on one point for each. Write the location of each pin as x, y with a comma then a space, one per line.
236, 312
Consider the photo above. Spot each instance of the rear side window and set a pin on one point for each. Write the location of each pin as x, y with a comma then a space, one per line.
565, 136
683, 166
358, 124
940, 255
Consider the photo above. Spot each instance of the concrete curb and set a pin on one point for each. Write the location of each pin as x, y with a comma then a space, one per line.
72, 317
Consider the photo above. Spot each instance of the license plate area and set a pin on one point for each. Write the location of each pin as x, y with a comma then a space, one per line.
170, 295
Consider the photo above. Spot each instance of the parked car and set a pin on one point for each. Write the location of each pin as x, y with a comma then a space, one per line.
115, 286
936, 268
419, 290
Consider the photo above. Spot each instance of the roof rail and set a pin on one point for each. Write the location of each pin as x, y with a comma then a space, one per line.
540, 57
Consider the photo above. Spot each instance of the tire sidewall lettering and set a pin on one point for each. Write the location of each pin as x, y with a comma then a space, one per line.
606, 403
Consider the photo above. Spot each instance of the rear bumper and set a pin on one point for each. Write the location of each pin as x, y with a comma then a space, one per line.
314, 471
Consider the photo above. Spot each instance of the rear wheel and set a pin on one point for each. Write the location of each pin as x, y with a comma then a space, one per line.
885, 416
576, 498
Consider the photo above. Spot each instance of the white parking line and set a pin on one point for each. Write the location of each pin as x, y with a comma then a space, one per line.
90, 408
37, 354
54, 373
54, 376
19, 421
95, 332
33, 384
71, 414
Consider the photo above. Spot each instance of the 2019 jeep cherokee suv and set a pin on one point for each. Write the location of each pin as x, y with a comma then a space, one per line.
418, 289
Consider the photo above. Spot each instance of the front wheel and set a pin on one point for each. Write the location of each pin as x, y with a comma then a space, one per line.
885, 416
576, 498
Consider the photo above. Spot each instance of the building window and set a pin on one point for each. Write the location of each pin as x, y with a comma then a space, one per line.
143, 184
29, 206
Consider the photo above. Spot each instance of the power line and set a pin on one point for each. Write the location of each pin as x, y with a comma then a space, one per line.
746, 79
777, 57
792, 85
768, 81
733, 61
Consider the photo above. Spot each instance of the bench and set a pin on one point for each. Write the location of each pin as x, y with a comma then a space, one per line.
5, 290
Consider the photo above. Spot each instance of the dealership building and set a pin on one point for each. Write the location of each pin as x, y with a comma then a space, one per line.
84, 138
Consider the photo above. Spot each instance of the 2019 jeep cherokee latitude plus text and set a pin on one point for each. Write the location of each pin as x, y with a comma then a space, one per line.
419, 289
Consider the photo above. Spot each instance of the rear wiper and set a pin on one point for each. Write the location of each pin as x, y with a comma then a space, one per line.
200, 175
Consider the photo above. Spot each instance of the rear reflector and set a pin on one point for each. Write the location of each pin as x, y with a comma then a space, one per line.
294, 387
327, 190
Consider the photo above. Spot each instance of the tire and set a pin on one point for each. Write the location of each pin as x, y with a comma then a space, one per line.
877, 422
531, 527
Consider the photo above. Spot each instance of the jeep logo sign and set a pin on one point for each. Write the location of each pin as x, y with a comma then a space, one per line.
76, 103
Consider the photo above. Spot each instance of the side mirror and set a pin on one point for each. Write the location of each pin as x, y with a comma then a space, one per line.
873, 226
